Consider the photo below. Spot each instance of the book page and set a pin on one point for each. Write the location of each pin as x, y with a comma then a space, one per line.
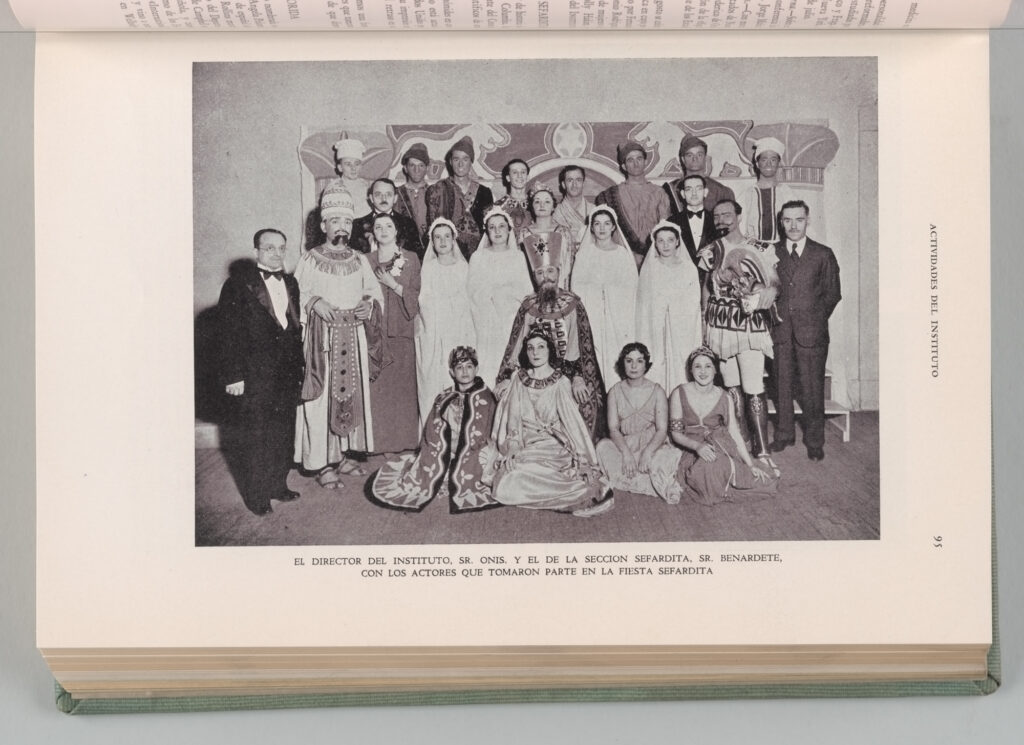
158, 157
298, 15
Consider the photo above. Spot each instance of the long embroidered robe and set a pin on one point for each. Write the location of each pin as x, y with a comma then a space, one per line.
449, 463
568, 325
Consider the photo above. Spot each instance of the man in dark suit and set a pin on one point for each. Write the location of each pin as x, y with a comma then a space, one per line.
695, 222
809, 277
263, 366
381, 197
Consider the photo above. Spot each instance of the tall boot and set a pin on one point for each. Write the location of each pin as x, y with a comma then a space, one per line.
758, 410
738, 409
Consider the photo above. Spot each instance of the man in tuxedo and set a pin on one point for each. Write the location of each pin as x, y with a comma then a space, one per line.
695, 222
809, 278
381, 197
693, 153
262, 366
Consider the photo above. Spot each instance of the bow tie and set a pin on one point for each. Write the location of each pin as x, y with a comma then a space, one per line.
699, 214
267, 274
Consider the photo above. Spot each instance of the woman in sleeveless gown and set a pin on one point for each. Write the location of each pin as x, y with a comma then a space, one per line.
715, 465
639, 458
546, 460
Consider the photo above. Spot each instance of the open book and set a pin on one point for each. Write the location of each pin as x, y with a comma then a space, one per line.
529, 556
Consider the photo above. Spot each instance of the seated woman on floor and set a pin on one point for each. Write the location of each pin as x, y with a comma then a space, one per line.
715, 465
449, 463
546, 460
639, 458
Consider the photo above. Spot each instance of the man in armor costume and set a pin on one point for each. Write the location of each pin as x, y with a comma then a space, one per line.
739, 311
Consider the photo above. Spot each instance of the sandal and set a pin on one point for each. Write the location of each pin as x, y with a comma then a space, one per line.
329, 479
768, 463
348, 467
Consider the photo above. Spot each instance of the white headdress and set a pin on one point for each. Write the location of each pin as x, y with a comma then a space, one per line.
768, 144
348, 148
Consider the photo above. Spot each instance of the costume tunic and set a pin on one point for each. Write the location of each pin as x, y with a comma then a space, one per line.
455, 432
569, 218
497, 283
761, 209
727, 478
342, 278
639, 206
393, 393
516, 209
550, 462
638, 427
411, 201
668, 316
742, 289
445, 321
606, 282
466, 210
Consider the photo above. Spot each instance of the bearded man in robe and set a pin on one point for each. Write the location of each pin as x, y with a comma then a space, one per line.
561, 315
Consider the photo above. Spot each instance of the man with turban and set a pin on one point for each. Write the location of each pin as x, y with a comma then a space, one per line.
460, 197
763, 201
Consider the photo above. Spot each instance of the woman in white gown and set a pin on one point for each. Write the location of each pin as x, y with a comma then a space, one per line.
605, 279
668, 313
546, 458
444, 321
499, 280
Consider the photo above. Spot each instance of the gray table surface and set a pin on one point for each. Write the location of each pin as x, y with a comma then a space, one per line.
27, 713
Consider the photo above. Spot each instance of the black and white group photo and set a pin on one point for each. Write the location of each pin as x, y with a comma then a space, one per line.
536, 301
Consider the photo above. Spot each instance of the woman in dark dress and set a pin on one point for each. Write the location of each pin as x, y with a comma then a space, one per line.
393, 402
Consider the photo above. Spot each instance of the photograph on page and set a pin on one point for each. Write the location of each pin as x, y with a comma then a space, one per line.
170, 185
487, 331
